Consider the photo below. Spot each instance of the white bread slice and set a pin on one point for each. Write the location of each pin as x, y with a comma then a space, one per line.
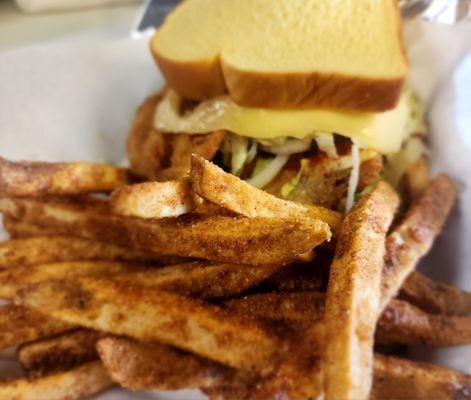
344, 54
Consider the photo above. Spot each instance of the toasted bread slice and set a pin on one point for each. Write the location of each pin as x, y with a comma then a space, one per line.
285, 54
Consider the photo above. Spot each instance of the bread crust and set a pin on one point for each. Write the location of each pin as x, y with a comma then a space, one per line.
206, 78
203, 80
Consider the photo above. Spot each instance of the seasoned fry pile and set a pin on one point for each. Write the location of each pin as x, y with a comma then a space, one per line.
200, 280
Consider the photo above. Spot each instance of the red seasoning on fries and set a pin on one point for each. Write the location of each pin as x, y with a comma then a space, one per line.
262, 244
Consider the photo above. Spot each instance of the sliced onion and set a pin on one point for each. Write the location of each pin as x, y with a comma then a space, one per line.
290, 146
268, 172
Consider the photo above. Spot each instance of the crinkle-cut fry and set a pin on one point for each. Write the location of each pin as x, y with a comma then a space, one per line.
154, 199
12, 279
153, 366
228, 191
20, 324
435, 297
201, 279
401, 322
152, 315
18, 229
146, 147
249, 240
77, 383
400, 379
33, 178
415, 234
416, 178
59, 352
52, 249
353, 295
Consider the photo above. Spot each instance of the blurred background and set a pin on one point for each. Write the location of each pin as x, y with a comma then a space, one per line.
24, 22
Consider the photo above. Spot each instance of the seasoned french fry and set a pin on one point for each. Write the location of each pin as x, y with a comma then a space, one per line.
20, 324
228, 191
152, 315
416, 178
353, 295
21, 178
51, 249
150, 366
60, 352
414, 236
13, 279
146, 147
201, 279
399, 379
435, 297
17, 228
401, 322
299, 306
299, 278
82, 381
248, 241
154, 199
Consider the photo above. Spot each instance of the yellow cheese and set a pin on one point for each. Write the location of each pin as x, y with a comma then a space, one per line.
383, 132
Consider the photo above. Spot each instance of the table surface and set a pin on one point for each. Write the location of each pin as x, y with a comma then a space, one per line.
20, 29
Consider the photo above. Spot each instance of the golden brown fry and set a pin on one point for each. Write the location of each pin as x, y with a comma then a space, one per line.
401, 322
60, 352
201, 279
399, 379
77, 383
18, 229
413, 237
435, 297
146, 147
51, 249
20, 324
154, 199
298, 306
299, 278
228, 191
416, 178
248, 241
152, 315
13, 279
150, 366
22, 178
323, 180
353, 295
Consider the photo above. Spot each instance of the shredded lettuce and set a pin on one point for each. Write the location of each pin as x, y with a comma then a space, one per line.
288, 187
266, 169
354, 176
415, 121
397, 164
239, 151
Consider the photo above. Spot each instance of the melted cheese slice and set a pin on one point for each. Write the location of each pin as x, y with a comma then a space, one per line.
383, 132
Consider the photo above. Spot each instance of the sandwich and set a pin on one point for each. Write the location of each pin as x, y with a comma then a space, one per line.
305, 99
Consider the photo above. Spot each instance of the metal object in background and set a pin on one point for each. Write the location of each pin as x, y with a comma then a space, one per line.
440, 11
152, 16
